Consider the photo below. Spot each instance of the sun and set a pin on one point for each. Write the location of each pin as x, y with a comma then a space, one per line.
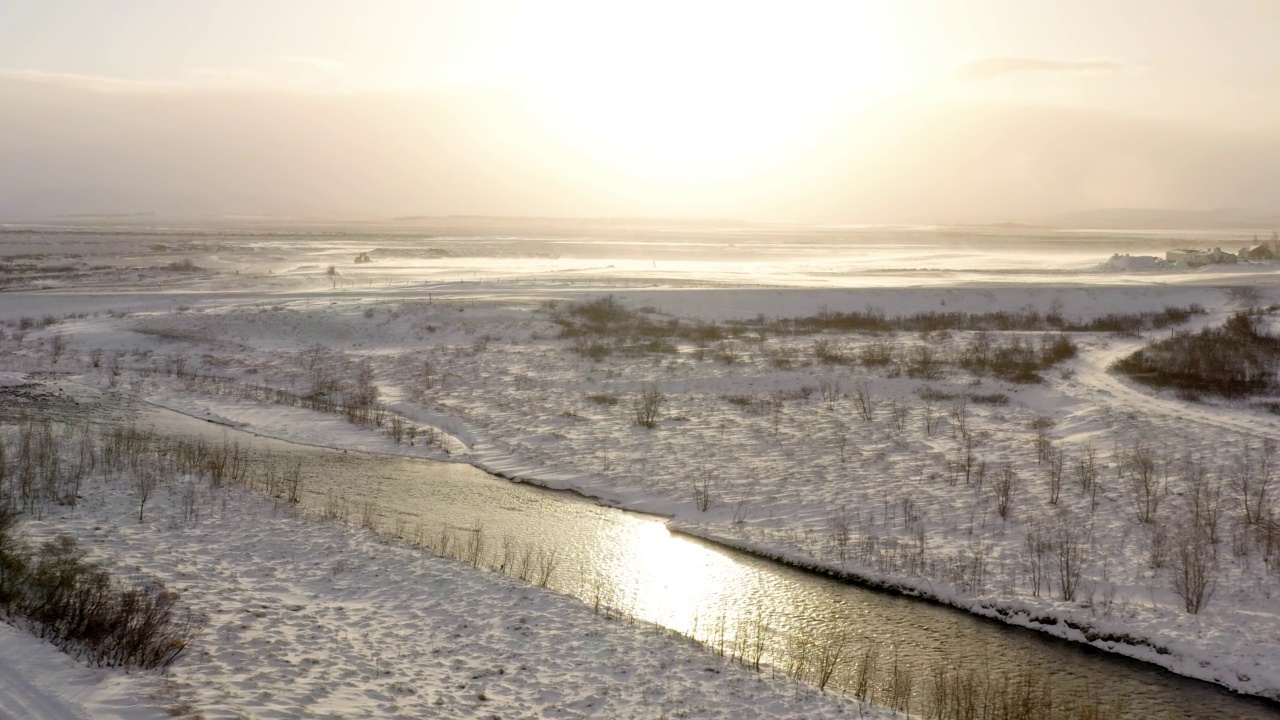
693, 92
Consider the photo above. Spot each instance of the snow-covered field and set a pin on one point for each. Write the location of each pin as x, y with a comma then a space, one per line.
311, 619
760, 442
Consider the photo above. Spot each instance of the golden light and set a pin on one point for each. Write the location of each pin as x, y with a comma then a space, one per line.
693, 92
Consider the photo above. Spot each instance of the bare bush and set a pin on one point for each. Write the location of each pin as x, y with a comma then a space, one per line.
647, 405
57, 346
1070, 552
1252, 478
1005, 488
1194, 572
1057, 462
830, 390
862, 401
77, 605
1086, 467
1139, 465
830, 656
702, 488
898, 414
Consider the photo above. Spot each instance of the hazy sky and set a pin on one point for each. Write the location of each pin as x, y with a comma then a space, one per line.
911, 110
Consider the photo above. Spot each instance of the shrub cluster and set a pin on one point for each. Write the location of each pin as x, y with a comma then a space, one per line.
1235, 360
603, 326
875, 320
80, 607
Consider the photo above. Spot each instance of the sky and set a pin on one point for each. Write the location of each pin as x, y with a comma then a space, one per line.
825, 112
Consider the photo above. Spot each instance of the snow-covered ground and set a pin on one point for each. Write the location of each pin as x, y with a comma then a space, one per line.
311, 619
744, 427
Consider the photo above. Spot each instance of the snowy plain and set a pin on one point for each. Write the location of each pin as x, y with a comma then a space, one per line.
464, 346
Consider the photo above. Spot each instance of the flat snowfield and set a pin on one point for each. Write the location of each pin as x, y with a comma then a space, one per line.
1056, 502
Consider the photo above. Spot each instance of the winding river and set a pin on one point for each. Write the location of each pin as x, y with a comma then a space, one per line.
630, 564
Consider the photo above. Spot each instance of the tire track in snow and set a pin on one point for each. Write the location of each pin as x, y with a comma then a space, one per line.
21, 699
1096, 376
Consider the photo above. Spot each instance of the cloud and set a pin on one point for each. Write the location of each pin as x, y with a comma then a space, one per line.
994, 67
285, 74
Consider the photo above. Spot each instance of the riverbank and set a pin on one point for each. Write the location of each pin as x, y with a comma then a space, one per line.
763, 439
307, 618
1141, 633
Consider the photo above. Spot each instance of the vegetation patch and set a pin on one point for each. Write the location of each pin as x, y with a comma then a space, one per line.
79, 607
1235, 360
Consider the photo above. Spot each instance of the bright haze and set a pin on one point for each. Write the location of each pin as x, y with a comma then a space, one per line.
841, 112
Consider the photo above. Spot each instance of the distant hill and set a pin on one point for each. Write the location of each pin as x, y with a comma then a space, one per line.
1162, 218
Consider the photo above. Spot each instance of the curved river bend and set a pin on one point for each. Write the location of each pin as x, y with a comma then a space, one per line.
631, 563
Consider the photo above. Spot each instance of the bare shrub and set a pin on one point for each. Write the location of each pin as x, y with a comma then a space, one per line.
862, 400
923, 363
1070, 552
865, 675
830, 390
1005, 486
1086, 467
397, 429
1139, 465
877, 354
830, 656
842, 439
145, 480
1194, 572
1057, 462
1252, 478
702, 489
1041, 426
57, 346
929, 415
825, 351
960, 415
1035, 555
647, 405
840, 531
77, 605
898, 414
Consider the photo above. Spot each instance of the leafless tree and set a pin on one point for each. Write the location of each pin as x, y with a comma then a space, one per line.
145, 480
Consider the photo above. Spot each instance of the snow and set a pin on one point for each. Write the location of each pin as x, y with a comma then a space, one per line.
509, 397
311, 619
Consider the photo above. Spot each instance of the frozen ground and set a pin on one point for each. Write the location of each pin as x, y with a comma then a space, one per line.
479, 367
310, 619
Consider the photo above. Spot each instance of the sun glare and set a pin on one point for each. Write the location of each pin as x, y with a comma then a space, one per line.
696, 91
